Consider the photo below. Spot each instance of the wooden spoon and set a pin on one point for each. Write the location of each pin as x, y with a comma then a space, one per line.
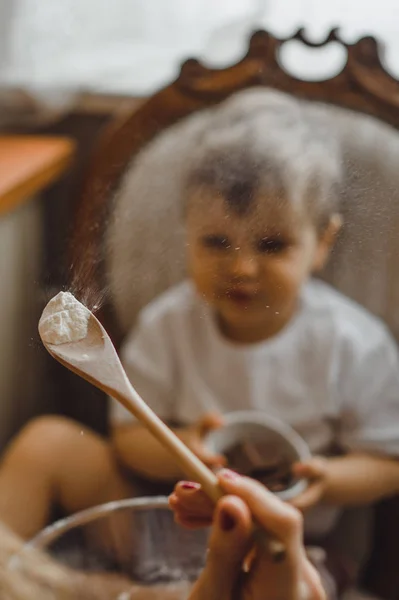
95, 359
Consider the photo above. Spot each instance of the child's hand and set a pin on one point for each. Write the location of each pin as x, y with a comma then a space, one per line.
315, 470
193, 436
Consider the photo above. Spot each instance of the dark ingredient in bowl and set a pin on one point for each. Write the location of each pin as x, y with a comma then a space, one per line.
258, 460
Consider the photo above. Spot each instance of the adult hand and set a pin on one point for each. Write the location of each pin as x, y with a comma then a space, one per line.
231, 540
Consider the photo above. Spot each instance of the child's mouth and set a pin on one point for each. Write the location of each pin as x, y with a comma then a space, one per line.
240, 297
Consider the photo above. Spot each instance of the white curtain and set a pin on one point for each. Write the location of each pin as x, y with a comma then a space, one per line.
136, 46
122, 46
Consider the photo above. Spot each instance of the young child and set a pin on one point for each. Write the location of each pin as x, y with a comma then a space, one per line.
249, 329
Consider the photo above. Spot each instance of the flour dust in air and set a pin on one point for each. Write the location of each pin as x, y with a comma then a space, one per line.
64, 320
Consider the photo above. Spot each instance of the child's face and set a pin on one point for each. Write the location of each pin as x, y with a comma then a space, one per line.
250, 268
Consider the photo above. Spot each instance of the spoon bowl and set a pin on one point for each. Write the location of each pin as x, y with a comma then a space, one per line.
93, 358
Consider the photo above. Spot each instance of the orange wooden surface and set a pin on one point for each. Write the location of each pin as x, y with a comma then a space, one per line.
28, 164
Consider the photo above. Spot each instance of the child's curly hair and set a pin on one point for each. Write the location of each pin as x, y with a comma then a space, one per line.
285, 154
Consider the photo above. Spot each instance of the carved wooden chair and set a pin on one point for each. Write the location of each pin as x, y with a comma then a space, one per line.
362, 101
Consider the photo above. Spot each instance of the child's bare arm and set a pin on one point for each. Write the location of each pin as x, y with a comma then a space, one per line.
361, 479
137, 448
350, 480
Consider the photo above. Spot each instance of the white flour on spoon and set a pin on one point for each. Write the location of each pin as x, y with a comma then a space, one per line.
64, 320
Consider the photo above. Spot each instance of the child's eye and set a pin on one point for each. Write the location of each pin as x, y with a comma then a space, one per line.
272, 246
218, 242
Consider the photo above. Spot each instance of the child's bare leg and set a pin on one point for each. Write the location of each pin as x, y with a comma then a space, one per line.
55, 460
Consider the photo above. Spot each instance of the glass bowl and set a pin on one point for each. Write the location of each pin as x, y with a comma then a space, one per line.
131, 547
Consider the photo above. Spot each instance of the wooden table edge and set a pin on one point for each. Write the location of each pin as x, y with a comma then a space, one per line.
26, 188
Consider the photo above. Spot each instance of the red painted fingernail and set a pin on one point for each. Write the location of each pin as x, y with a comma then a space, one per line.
227, 523
228, 474
189, 485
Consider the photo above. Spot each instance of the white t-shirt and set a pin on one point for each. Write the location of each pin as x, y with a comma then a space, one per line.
332, 373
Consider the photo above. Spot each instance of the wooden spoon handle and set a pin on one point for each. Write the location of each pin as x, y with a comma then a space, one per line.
185, 458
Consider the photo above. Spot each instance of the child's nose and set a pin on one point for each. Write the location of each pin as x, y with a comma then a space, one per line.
245, 265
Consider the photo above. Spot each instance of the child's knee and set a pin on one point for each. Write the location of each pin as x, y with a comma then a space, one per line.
43, 438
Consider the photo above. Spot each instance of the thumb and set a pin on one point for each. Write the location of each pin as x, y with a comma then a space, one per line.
209, 422
312, 468
228, 546
207, 456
